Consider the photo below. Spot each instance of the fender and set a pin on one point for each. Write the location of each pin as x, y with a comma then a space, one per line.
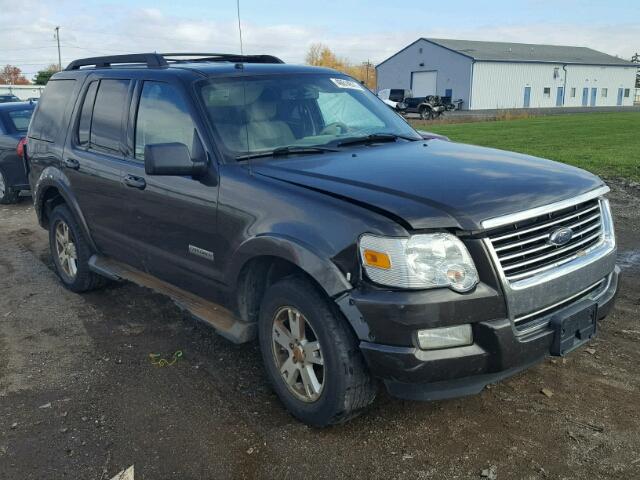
321, 269
52, 177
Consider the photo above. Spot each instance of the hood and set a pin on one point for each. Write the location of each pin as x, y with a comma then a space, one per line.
434, 184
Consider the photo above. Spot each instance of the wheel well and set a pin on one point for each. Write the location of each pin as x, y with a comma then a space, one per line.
256, 276
50, 200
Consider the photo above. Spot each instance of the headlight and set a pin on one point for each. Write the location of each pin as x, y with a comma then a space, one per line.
420, 261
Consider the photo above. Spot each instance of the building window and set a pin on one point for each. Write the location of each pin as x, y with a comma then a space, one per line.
547, 92
573, 92
604, 91
420, 50
627, 92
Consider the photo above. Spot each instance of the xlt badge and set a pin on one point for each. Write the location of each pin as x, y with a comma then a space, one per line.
201, 252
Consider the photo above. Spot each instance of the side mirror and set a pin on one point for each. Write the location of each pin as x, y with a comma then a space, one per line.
171, 159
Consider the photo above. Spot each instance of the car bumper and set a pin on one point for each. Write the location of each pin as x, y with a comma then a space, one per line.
498, 352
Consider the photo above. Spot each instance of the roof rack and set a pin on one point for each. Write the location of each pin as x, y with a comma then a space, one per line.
161, 59
221, 57
150, 59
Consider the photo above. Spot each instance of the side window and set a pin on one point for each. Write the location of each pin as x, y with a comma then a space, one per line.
49, 117
163, 117
84, 125
106, 123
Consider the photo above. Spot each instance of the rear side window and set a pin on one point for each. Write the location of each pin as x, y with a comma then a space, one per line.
106, 124
20, 119
50, 117
84, 126
163, 117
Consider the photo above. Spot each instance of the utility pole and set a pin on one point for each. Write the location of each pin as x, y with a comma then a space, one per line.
57, 34
367, 65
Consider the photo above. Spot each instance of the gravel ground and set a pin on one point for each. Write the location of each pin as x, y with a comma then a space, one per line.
80, 398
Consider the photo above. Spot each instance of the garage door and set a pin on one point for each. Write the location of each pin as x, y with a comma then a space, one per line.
424, 83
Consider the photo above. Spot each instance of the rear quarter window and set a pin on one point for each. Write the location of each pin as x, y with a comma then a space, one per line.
50, 113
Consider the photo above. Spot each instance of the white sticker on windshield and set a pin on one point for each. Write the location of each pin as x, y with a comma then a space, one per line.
344, 83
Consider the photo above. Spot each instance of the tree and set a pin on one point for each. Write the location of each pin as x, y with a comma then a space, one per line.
12, 75
321, 55
636, 59
43, 76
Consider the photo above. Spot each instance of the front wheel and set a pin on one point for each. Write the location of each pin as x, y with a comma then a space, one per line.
311, 356
7, 194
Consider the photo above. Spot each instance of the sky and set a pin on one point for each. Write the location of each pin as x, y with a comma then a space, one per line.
357, 30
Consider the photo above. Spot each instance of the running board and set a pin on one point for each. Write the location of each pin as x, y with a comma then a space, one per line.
224, 322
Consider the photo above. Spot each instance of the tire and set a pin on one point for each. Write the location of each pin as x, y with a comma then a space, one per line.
426, 113
78, 278
347, 388
8, 194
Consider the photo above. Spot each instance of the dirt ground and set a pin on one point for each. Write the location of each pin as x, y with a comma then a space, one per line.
80, 398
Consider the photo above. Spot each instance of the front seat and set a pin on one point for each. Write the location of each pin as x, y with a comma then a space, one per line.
263, 130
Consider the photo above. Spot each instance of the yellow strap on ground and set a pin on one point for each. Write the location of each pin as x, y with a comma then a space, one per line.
163, 362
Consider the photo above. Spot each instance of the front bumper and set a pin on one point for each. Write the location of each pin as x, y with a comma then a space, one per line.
498, 351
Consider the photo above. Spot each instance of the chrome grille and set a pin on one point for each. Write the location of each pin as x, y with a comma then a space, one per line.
523, 248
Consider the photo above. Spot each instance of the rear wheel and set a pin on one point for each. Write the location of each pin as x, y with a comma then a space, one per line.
71, 252
311, 356
7, 194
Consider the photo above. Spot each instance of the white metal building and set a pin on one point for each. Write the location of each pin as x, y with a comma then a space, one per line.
23, 92
496, 75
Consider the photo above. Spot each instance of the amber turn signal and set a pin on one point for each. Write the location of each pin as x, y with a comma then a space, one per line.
377, 259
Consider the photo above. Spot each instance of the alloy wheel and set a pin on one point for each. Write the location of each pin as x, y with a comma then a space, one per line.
298, 354
66, 250
2, 185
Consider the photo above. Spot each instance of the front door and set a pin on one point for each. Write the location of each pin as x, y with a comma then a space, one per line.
620, 94
172, 219
585, 97
527, 97
594, 96
560, 97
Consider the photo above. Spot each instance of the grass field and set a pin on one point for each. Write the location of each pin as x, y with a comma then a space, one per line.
604, 143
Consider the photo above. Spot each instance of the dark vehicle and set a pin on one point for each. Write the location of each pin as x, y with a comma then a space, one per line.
14, 123
289, 204
7, 98
429, 107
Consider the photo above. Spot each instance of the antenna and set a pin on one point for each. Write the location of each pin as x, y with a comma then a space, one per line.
239, 27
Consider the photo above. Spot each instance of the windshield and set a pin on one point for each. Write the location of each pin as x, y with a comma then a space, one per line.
260, 114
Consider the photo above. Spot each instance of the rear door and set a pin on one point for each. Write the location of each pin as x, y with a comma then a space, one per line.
93, 161
170, 219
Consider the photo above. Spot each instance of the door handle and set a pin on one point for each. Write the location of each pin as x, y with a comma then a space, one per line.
71, 163
135, 182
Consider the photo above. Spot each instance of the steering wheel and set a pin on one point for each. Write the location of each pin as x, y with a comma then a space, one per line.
331, 128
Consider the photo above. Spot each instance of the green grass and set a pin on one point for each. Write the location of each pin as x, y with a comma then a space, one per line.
606, 144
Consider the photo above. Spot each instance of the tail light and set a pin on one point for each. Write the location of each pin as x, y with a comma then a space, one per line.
21, 147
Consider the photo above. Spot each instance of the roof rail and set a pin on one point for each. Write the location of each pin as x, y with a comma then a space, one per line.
150, 59
221, 57
162, 59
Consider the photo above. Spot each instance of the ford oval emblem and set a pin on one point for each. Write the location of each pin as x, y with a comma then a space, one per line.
561, 236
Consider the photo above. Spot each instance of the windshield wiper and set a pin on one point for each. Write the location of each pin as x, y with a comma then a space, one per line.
282, 151
375, 138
